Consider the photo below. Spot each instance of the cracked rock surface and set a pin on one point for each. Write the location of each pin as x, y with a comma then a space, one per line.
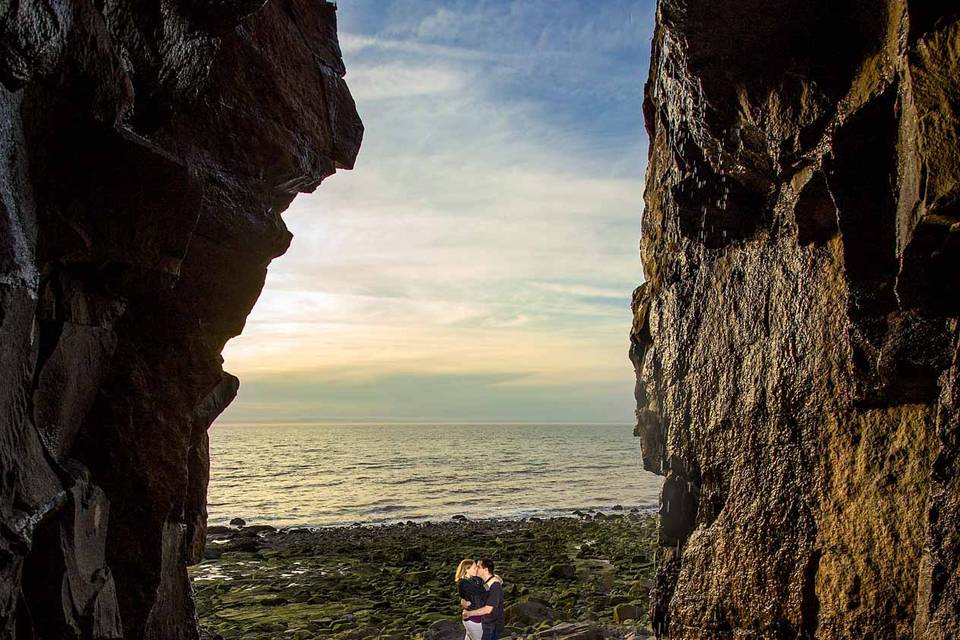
796, 339
147, 150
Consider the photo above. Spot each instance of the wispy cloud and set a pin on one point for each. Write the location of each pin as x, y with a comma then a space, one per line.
489, 229
395, 81
354, 44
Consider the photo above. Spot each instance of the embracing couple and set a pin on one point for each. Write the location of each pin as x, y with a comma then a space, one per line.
481, 596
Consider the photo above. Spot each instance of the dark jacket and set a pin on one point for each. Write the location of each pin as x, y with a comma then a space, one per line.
472, 589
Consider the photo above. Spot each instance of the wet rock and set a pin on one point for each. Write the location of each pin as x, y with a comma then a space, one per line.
572, 631
212, 552
257, 529
418, 577
795, 341
624, 612
529, 612
562, 572
412, 555
444, 630
329, 585
238, 522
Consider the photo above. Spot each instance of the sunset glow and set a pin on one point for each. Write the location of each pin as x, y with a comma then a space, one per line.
487, 238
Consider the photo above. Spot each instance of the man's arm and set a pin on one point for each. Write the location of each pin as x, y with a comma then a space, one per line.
494, 597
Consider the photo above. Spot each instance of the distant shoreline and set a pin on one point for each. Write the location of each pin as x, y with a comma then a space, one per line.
415, 421
531, 516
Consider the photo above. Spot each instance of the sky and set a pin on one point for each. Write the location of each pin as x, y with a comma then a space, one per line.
477, 264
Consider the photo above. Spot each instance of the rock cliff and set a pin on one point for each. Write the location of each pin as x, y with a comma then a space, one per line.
796, 339
147, 150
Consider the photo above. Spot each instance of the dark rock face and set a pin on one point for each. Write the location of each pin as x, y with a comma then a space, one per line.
796, 340
146, 153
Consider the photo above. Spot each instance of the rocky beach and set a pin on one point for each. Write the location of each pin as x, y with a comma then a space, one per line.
581, 577
795, 334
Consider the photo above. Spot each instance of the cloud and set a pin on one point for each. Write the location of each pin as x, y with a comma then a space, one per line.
527, 27
394, 81
354, 44
582, 291
489, 230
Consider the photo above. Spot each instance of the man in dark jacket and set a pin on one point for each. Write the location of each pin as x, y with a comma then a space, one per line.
492, 610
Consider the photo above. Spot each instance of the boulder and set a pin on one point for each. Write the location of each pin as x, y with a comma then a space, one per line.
624, 612
212, 552
529, 612
572, 631
217, 529
257, 529
412, 555
444, 630
562, 572
242, 544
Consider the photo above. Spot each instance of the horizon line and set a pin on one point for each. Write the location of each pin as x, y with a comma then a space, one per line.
422, 421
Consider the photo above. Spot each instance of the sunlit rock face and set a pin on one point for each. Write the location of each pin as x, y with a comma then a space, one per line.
147, 150
796, 337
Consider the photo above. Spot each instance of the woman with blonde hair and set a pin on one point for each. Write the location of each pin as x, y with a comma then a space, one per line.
470, 587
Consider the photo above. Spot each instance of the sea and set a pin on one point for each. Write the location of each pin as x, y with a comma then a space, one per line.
318, 474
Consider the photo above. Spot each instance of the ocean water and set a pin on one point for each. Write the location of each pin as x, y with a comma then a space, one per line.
336, 474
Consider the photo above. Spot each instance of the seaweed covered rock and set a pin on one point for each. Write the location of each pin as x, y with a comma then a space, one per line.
146, 153
346, 583
796, 338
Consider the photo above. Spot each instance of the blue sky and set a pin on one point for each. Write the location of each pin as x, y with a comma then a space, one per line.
478, 262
